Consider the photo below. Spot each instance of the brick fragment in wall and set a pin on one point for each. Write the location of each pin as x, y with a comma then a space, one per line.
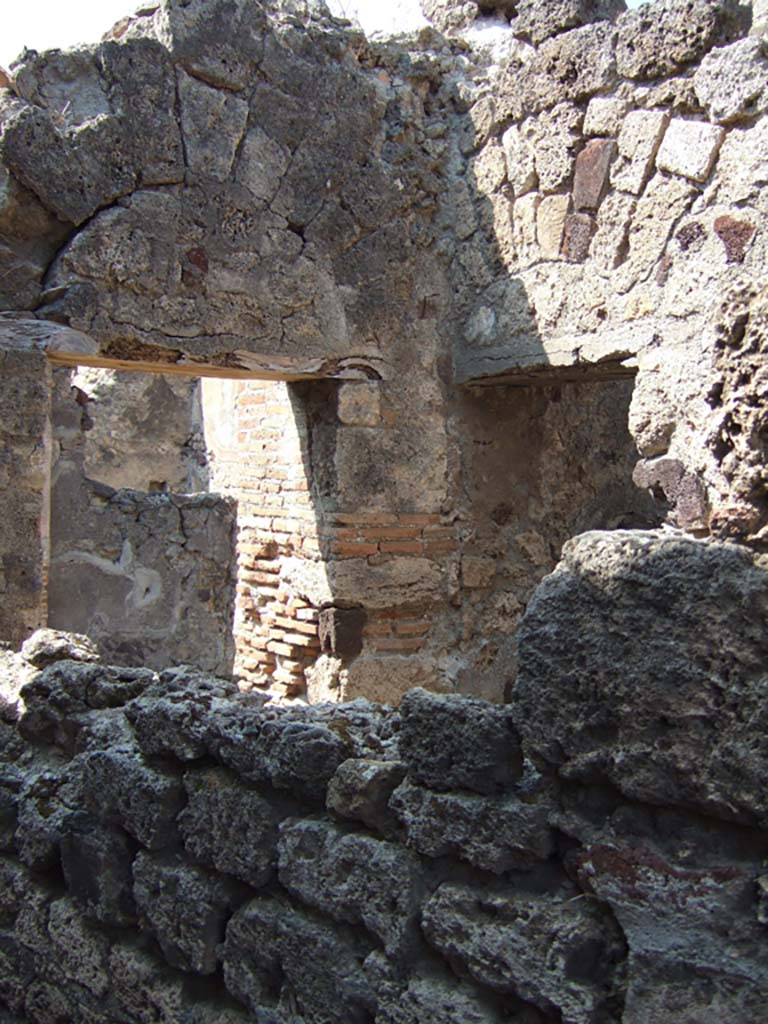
591, 173
735, 236
341, 631
690, 236
577, 236
690, 148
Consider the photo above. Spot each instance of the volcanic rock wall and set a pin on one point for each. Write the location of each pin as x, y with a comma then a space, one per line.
175, 851
146, 572
545, 197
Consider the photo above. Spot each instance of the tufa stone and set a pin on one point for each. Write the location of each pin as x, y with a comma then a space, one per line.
690, 149
458, 743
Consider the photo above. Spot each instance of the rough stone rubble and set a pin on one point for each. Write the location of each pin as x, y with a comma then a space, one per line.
457, 281
593, 852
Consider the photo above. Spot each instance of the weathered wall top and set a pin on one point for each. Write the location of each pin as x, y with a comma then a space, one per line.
223, 183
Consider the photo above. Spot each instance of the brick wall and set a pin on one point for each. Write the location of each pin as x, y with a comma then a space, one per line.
275, 446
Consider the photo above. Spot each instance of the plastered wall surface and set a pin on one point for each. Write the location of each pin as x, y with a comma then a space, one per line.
147, 573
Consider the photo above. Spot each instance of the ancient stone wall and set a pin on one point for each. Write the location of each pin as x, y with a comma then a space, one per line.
25, 452
593, 852
329, 589
542, 195
515, 197
606, 207
141, 431
149, 576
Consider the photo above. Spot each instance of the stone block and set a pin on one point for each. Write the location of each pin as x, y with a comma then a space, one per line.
679, 490
659, 41
185, 907
690, 149
449, 15
119, 785
97, 863
261, 163
59, 700
251, 955
10, 786
174, 716
477, 571
556, 138
48, 645
571, 66
229, 827
213, 122
276, 956
698, 914
46, 808
143, 986
387, 678
605, 115
610, 243
591, 174
664, 202
538, 21
488, 170
528, 944
353, 877
550, 224
639, 140
524, 228
577, 236
360, 790
731, 82
433, 1000
81, 950
496, 834
451, 742
299, 756
672, 727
